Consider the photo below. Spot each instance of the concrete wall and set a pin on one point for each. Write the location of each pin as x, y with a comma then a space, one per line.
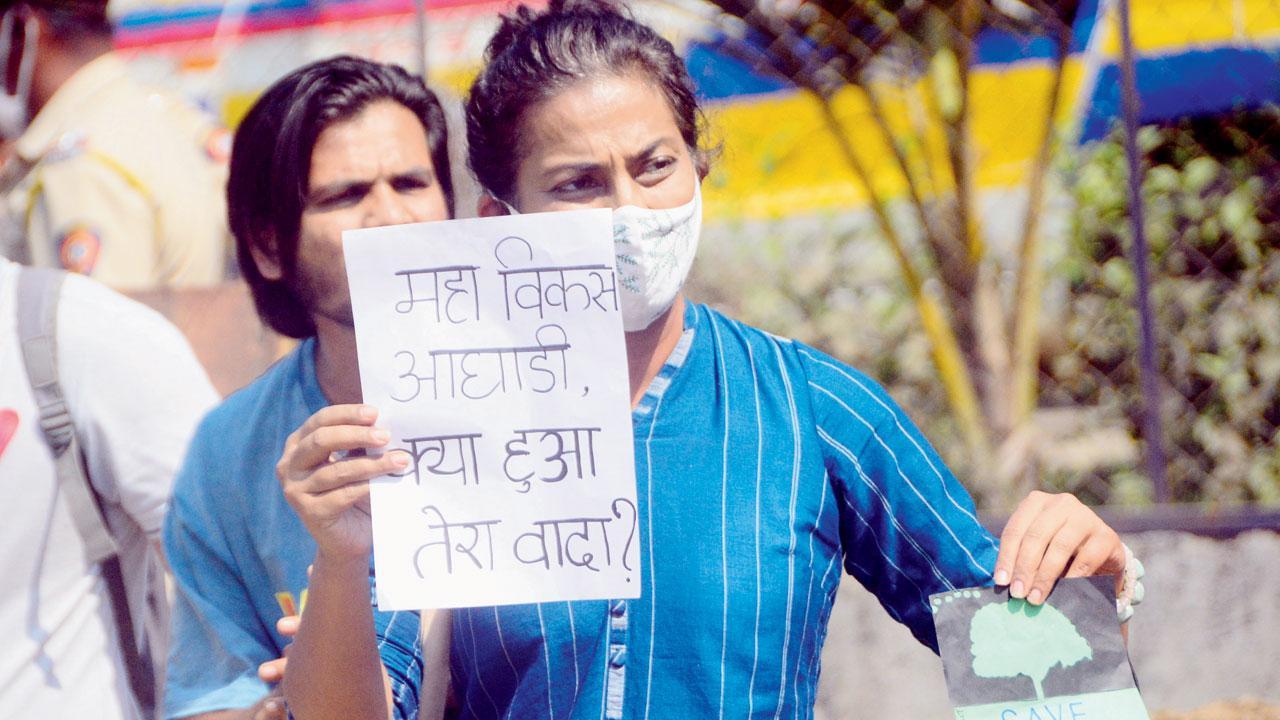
1209, 630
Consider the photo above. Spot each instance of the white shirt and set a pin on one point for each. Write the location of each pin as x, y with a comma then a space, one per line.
136, 392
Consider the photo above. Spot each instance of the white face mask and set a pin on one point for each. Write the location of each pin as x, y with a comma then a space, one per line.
654, 250
14, 112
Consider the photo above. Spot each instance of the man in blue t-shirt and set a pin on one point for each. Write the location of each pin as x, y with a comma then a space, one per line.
337, 145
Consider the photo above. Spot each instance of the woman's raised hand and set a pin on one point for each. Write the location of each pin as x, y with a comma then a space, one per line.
1053, 536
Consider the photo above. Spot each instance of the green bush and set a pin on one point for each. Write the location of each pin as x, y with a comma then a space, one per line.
1210, 196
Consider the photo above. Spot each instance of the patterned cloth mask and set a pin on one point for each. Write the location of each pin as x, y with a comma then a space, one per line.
654, 250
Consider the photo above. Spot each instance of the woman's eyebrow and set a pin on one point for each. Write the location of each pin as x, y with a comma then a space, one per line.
652, 147
645, 152
575, 167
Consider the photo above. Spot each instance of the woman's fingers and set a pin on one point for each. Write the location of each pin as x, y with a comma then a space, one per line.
1048, 533
1052, 535
1058, 551
1098, 556
1014, 530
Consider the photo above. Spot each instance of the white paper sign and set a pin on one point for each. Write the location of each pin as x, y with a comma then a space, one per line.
493, 349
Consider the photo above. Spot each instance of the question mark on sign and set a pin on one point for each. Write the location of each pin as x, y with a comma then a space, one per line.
626, 550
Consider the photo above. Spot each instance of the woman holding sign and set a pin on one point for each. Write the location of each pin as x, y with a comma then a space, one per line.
763, 466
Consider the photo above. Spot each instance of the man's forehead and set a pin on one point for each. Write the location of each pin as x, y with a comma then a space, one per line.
377, 117
379, 141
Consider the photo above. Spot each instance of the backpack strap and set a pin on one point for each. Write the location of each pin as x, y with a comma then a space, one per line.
38, 291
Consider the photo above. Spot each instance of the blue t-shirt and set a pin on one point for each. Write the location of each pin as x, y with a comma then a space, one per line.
239, 553
762, 466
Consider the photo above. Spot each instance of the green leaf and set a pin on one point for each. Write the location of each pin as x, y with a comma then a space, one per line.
1198, 173
1118, 276
1236, 209
1161, 179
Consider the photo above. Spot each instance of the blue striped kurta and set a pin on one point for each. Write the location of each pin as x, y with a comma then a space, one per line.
763, 466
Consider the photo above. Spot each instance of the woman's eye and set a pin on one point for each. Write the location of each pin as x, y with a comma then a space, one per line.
658, 166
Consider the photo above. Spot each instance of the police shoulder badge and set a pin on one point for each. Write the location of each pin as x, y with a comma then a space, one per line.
78, 249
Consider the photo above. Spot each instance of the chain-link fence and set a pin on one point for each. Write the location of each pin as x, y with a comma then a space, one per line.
988, 276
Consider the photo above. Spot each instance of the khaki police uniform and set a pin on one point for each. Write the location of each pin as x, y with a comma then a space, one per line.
119, 182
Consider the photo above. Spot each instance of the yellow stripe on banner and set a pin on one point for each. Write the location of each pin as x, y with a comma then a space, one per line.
780, 157
1164, 26
455, 79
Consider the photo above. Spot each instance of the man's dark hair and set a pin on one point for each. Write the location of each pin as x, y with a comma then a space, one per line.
271, 166
536, 54
70, 21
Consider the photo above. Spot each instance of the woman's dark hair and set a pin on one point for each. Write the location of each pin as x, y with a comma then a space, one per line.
534, 55
271, 164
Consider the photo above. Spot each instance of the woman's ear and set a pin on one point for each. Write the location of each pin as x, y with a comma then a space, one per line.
264, 257
490, 206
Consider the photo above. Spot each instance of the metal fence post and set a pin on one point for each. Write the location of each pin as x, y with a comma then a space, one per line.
1152, 428
420, 36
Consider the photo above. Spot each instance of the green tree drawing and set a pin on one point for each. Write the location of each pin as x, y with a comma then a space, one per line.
1018, 638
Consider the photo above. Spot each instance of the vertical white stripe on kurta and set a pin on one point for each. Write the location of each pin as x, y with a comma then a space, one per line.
475, 663
546, 656
755, 652
653, 603
791, 526
577, 677
808, 596
724, 517
604, 679
822, 621
497, 624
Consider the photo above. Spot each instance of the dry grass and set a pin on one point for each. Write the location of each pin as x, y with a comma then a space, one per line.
1243, 709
